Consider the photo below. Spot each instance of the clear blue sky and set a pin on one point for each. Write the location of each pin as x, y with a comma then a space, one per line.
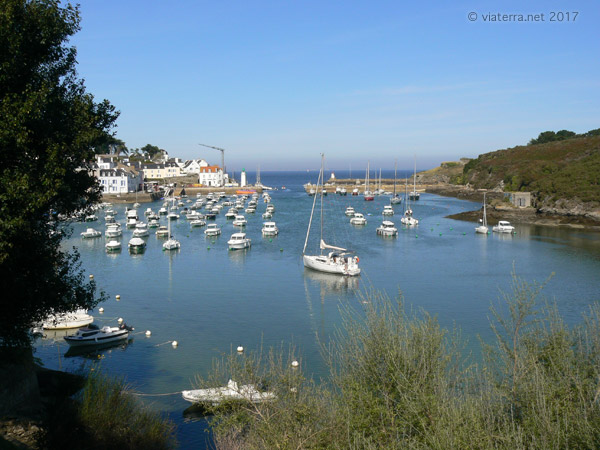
277, 82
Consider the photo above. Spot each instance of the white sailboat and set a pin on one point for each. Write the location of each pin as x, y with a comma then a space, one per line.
337, 260
414, 195
483, 228
396, 199
368, 194
171, 243
408, 218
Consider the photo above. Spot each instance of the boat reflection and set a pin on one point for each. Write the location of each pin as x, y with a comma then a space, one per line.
92, 351
331, 283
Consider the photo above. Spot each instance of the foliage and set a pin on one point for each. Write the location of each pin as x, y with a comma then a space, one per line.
106, 415
399, 380
551, 136
112, 146
49, 128
564, 169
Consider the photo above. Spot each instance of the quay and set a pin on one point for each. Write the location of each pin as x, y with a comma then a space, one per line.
191, 191
386, 185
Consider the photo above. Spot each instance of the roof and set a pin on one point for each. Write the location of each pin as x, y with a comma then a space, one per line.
210, 169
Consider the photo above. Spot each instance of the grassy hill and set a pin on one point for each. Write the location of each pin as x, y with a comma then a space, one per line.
557, 171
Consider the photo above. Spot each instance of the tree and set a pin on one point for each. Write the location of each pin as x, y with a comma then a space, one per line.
151, 150
49, 127
113, 146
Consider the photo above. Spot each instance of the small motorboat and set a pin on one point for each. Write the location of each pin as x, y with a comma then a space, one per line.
358, 219
113, 246
503, 227
171, 244
113, 230
270, 229
240, 221
65, 321
232, 391
136, 244
91, 218
162, 231
267, 215
153, 223
349, 211
388, 210
141, 230
93, 335
271, 208
387, 228
212, 230
238, 241
91, 233
197, 223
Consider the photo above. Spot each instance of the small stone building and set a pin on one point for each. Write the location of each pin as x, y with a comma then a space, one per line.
521, 199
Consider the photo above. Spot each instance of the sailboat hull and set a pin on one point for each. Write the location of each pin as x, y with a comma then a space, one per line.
325, 264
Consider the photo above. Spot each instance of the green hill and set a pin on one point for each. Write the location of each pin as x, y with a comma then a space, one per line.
555, 172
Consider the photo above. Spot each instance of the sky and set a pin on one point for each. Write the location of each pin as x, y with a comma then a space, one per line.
276, 83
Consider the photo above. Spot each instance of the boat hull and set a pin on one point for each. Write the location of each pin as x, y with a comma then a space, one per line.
323, 264
97, 340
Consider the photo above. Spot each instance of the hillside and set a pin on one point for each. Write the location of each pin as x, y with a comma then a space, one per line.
563, 176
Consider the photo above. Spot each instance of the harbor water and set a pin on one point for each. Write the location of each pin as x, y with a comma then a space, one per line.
211, 300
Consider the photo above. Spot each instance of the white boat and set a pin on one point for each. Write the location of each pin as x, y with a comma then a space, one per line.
112, 246
113, 230
396, 199
131, 222
239, 241
239, 221
270, 229
148, 212
388, 210
172, 216
136, 244
153, 223
368, 195
414, 195
355, 191
65, 321
109, 219
358, 219
267, 215
483, 228
387, 228
232, 391
162, 211
93, 335
350, 211
337, 260
503, 227
90, 233
91, 218
212, 230
343, 191
171, 243
408, 219
271, 208
250, 210
197, 223
141, 230
193, 215
162, 231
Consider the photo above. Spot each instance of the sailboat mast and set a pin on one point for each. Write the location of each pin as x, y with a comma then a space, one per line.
313, 209
395, 170
415, 177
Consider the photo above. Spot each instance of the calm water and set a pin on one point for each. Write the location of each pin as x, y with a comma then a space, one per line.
211, 300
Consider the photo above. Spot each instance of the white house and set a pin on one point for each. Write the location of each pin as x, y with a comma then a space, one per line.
193, 166
106, 161
153, 171
120, 179
211, 176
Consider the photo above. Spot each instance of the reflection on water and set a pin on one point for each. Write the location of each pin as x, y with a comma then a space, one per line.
330, 283
95, 352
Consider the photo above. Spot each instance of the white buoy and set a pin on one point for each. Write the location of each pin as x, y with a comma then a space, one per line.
100, 310
91, 277
148, 333
295, 363
118, 297
240, 349
120, 320
174, 344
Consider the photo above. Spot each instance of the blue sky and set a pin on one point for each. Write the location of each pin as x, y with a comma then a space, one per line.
277, 82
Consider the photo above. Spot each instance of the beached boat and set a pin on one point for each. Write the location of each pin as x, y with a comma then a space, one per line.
232, 391
338, 260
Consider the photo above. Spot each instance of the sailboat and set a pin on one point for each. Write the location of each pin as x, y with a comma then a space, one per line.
408, 219
368, 194
483, 228
338, 260
414, 195
171, 244
396, 199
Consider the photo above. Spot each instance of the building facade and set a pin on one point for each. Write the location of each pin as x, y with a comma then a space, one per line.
211, 176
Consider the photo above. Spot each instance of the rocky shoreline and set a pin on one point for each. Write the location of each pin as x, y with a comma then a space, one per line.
576, 218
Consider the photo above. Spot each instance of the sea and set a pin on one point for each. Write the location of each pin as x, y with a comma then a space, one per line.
212, 300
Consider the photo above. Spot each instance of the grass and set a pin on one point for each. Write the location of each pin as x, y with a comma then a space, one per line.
399, 380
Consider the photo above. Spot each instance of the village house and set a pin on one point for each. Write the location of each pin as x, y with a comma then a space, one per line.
120, 179
211, 176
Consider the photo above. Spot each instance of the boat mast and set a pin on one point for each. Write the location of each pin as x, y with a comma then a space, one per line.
313, 208
395, 169
484, 215
415, 178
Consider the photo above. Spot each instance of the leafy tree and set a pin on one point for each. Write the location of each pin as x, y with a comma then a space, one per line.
113, 146
595, 132
151, 150
551, 136
49, 127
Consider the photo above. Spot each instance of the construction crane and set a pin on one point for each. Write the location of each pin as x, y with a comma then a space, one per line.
222, 150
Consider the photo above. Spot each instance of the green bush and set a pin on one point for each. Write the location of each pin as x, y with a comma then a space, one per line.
399, 380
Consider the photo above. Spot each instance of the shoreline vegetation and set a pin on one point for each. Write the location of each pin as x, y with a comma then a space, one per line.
399, 380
